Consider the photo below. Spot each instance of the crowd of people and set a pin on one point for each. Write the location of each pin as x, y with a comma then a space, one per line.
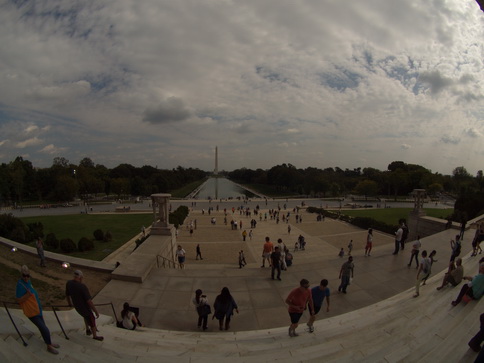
278, 258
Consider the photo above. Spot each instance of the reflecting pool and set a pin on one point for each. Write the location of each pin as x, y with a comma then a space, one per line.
222, 188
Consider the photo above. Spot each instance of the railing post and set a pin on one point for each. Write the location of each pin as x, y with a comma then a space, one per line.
14, 325
62, 328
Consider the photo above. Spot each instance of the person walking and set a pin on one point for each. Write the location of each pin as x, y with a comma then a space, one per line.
242, 261
203, 309
77, 295
283, 250
398, 239
346, 271
266, 252
415, 251
28, 299
224, 307
199, 252
422, 273
180, 254
369, 242
297, 300
276, 263
39, 244
319, 294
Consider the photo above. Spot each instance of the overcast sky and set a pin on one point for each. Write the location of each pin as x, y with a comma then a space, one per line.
312, 83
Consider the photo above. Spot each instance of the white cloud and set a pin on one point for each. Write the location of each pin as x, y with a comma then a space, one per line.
29, 142
51, 149
348, 83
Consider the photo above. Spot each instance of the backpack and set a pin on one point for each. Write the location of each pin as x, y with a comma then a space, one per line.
426, 266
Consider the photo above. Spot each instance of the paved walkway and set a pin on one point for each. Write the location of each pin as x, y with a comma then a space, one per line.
165, 296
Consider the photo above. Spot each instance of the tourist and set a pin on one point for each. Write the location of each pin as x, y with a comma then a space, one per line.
474, 288
266, 252
276, 263
432, 260
369, 242
244, 235
77, 295
478, 237
40, 251
130, 319
180, 254
423, 272
341, 252
405, 232
415, 251
282, 249
203, 309
454, 275
398, 239
224, 306
297, 300
456, 247
199, 252
28, 299
346, 271
350, 247
319, 293
242, 262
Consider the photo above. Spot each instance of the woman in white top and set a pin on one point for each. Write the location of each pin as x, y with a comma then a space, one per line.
129, 318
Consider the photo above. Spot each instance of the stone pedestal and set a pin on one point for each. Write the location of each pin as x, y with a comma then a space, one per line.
416, 214
161, 226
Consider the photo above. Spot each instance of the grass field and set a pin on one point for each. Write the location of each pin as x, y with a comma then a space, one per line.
392, 215
123, 227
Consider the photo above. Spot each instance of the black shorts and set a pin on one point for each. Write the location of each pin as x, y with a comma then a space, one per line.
316, 309
295, 317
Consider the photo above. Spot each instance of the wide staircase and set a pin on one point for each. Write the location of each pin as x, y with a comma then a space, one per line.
398, 329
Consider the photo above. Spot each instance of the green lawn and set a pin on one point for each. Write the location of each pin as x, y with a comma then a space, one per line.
123, 227
392, 215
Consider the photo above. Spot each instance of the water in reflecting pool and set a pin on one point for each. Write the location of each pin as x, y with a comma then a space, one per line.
221, 188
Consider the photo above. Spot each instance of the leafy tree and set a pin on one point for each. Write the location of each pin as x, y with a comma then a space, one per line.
367, 188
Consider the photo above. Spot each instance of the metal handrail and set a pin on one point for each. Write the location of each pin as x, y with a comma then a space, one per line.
54, 307
171, 263
13, 322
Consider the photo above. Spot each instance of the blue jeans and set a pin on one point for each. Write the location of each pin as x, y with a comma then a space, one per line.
39, 322
345, 281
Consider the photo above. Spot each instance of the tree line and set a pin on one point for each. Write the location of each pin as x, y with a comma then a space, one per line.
399, 179
21, 182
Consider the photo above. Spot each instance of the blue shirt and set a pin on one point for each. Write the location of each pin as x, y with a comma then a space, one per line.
319, 295
21, 290
477, 286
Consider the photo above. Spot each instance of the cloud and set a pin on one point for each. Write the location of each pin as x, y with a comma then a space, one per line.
31, 128
51, 149
348, 82
450, 140
171, 110
435, 81
472, 132
29, 142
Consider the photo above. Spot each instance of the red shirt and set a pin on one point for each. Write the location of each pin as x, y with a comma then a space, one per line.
298, 298
268, 247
